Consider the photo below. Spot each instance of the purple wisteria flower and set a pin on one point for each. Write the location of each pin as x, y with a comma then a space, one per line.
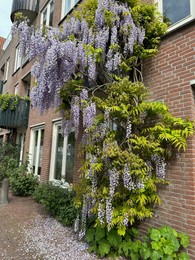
125, 220
113, 179
75, 113
93, 175
109, 212
160, 165
101, 212
83, 218
89, 114
127, 178
128, 129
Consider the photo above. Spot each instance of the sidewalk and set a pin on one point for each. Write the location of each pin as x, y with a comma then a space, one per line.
15, 217
27, 232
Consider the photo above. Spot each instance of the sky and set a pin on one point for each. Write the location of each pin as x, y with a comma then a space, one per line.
5, 22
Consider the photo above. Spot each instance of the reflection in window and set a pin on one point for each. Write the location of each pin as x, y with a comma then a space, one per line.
47, 14
67, 6
62, 159
18, 59
176, 10
37, 150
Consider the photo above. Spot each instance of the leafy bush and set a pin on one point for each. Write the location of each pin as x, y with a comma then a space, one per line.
57, 201
162, 243
23, 183
9, 155
8, 100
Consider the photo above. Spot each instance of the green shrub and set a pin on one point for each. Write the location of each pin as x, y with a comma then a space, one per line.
57, 201
23, 183
9, 161
162, 243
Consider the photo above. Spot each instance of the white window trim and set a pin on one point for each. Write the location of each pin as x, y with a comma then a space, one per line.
184, 20
32, 141
16, 88
47, 7
23, 135
53, 151
73, 3
18, 59
7, 69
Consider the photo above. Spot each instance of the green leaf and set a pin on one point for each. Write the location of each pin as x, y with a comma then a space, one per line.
92, 248
134, 255
155, 234
185, 240
90, 235
136, 246
145, 251
114, 238
104, 247
99, 234
125, 248
156, 255
121, 230
156, 245
183, 256
171, 245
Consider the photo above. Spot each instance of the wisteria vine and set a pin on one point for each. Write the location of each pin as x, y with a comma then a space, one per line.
87, 69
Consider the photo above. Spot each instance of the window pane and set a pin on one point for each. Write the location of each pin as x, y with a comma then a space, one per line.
176, 10
67, 6
59, 155
45, 17
40, 151
70, 158
51, 13
35, 150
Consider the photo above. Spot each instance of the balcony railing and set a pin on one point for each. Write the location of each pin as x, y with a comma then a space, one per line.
17, 117
29, 9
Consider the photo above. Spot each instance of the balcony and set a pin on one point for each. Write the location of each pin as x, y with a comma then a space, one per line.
17, 117
29, 9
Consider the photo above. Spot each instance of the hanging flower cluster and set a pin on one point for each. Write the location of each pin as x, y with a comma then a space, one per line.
78, 48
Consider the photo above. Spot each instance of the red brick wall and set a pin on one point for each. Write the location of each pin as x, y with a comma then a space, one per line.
168, 77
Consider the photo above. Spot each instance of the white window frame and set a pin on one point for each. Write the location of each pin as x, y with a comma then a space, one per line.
184, 20
6, 69
16, 89
56, 126
72, 4
21, 141
47, 9
32, 143
18, 59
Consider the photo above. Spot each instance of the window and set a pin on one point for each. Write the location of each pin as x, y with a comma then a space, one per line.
67, 5
6, 70
20, 141
26, 84
62, 157
1, 87
177, 12
16, 89
18, 59
47, 14
36, 149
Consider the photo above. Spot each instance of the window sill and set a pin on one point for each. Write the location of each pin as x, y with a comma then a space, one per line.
16, 71
179, 28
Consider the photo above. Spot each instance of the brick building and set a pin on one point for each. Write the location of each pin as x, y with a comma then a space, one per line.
41, 137
170, 78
